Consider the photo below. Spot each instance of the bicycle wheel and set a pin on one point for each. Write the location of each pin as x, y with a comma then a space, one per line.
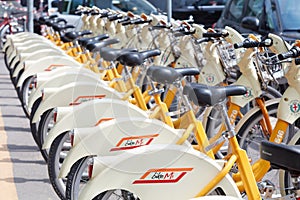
57, 152
80, 174
34, 126
285, 180
5, 30
251, 134
45, 125
78, 177
116, 194
25, 93
126, 195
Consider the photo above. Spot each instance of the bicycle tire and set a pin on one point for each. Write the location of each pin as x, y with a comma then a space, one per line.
3, 32
54, 163
34, 126
118, 194
43, 128
14, 67
25, 93
75, 178
285, 178
8, 29
127, 195
16, 79
250, 138
5, 60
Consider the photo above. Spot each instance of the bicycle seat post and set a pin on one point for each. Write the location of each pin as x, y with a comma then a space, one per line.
230, 132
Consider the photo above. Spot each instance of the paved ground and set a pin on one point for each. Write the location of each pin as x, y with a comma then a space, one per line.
23, 172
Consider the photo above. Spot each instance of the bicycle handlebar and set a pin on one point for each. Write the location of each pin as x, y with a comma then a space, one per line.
178, 29
160, 27
250, 44
292, 53
124, 19
201, 40
215, 35
115, 17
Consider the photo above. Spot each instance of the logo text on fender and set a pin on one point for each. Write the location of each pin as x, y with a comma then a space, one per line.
82, 99
103, 120
164, 175
52, 67
134, 142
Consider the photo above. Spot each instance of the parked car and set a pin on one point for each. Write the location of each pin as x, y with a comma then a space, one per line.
67, 8
135, 6
205, 12
263, 16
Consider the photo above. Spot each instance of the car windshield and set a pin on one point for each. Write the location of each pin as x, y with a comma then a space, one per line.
290, 15
135, 6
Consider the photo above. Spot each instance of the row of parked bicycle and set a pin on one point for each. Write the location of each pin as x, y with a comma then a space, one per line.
12, 19
146, 109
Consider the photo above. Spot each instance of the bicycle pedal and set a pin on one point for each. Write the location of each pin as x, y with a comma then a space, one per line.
266, 188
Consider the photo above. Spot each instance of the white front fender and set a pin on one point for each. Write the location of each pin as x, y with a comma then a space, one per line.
289, 106
75, 93
253, 90
61, 78
45, 76
89, 114
116, 136
32, 57
157, 172
18, 37
33, 67
22, 42
212, 72
29, 48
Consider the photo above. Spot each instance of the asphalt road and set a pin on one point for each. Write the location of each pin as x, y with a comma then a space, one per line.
23, 171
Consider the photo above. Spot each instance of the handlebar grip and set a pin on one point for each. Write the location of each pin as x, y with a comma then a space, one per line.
181, 28
201, 40
292, 53
297, 61
124, 19
214, 35
251, 44
159, 27
115, 17
103, 15
246, 44
125, 23
141, 21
